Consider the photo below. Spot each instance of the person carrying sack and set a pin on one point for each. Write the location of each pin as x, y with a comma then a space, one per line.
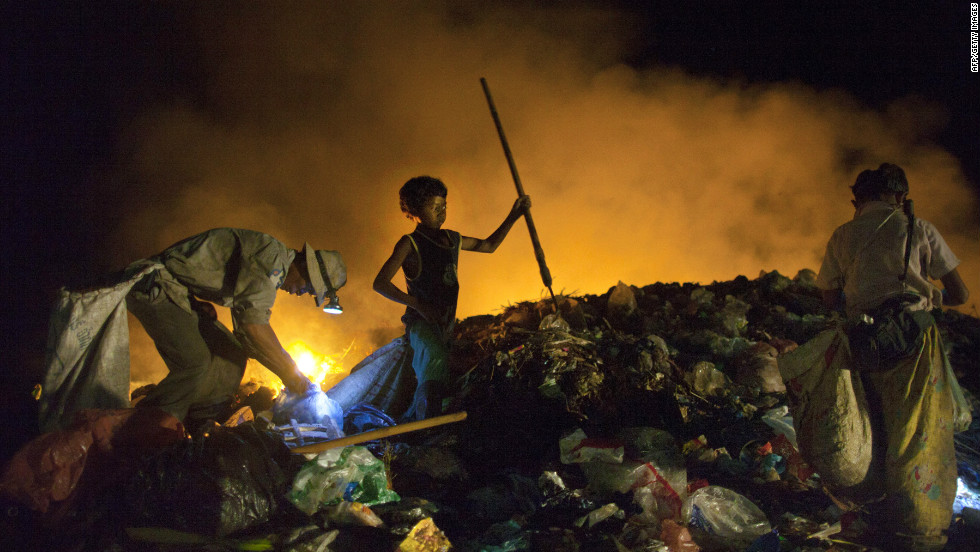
879, 268
232, 267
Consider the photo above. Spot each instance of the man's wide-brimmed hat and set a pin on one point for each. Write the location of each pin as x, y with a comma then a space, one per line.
327, 271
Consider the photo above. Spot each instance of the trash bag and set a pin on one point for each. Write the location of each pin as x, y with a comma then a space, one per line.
781, 423
731, 318
656, 496
654, 472
312, 407
228, 481
47, 470
349, 473
962, 412
722, 347
702, 297
621, 304
720, 512
577, 448
660, 487
605, 479
706, 380
87, 361
648, 444
829, 409
383, 379
758, 368
554, 322
597, 516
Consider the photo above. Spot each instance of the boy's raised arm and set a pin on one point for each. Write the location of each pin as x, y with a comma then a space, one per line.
491, 243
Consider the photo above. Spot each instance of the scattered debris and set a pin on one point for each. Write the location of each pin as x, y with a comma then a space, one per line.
643, 419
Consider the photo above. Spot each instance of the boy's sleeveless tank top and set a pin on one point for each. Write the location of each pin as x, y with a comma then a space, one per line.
436, 281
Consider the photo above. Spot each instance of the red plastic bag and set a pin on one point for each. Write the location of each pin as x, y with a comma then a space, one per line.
47, 470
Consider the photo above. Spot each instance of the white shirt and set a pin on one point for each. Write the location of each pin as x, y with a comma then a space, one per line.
866, 256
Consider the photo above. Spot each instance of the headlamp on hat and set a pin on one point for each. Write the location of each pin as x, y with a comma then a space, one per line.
327, 274
333, 306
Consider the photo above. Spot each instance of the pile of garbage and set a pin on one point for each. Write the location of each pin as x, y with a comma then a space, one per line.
641, 420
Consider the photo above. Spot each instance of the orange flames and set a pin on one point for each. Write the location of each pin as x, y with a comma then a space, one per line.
325, 370
643, 176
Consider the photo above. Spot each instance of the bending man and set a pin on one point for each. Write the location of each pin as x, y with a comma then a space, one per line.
239, 269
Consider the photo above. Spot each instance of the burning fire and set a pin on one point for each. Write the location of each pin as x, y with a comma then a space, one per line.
325, 370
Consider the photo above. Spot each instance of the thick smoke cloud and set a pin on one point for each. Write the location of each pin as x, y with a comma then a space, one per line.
311, 116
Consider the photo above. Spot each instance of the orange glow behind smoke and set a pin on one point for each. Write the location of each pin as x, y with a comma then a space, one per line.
316, 116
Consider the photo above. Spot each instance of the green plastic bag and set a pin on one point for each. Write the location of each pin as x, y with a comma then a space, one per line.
349, 473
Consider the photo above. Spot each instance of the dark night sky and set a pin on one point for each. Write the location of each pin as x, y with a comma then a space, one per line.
75, 74
878, 51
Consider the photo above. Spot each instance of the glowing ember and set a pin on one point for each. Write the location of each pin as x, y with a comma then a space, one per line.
316, 366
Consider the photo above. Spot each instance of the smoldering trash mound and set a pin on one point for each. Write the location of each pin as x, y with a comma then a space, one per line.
644, 419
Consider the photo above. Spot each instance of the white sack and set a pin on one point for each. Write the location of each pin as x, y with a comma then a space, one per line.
829, 409
87, 353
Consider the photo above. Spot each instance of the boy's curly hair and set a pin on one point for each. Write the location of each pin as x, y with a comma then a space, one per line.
414, 193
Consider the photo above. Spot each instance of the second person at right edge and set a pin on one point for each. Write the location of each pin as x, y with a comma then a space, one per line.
428, 257
879, 269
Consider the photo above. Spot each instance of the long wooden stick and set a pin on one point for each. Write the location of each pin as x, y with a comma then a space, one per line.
538, 251
381, 433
